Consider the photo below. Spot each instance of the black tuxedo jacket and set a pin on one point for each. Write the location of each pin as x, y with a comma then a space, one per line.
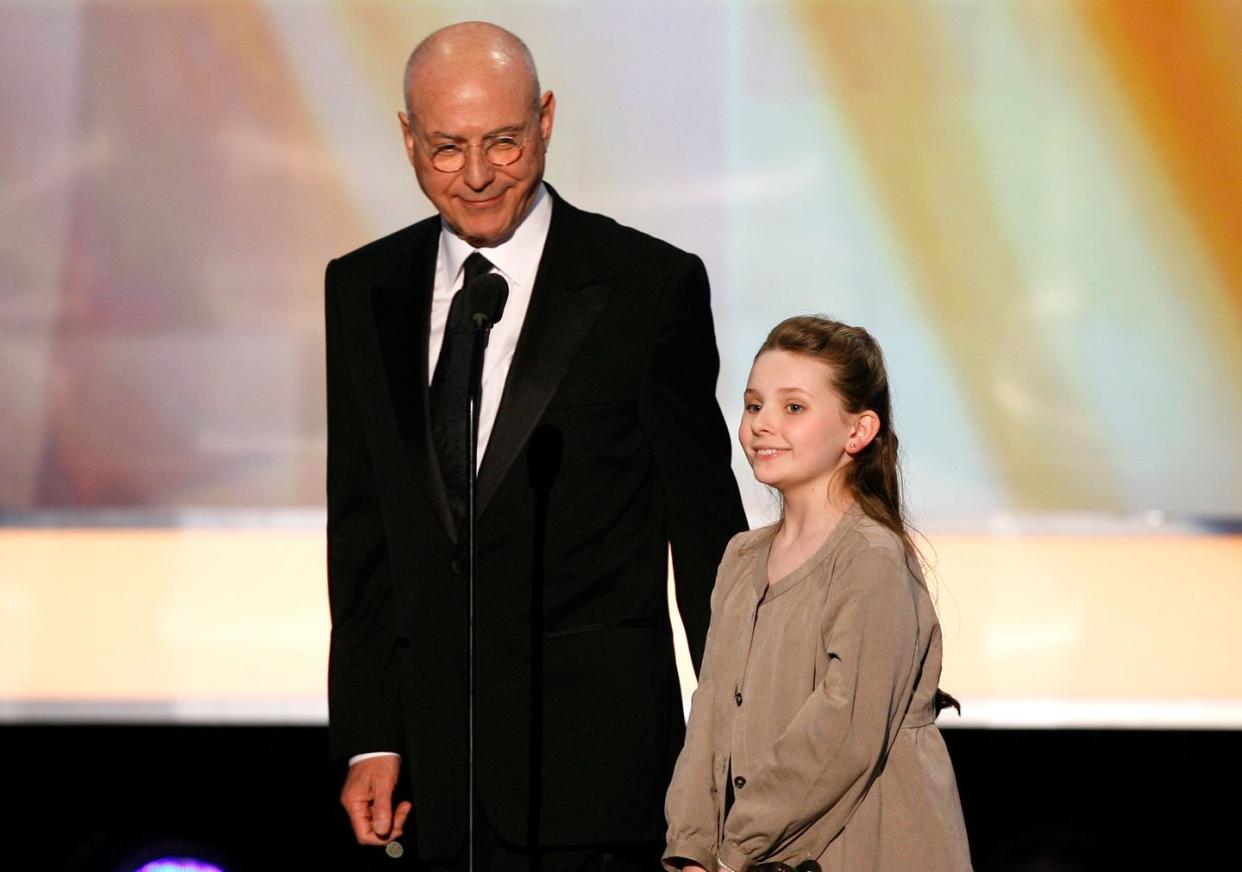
608, 447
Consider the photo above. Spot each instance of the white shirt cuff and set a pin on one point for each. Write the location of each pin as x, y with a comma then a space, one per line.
357, 758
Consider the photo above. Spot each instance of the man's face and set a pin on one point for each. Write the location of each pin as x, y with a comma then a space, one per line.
481, 203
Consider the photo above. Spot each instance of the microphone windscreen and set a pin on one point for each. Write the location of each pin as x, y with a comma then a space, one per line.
485, 299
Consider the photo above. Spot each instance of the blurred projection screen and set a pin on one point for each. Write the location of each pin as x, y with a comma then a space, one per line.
1033, 206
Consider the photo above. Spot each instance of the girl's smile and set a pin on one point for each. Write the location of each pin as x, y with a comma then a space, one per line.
794, 429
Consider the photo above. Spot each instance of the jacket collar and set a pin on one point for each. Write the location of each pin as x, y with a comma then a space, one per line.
566, 301
401, 305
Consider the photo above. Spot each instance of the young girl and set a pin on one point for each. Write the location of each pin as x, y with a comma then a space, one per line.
812, 743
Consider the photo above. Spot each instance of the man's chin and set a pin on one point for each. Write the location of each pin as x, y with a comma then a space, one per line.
485, 236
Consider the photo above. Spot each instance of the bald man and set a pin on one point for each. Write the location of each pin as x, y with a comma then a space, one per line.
601, 447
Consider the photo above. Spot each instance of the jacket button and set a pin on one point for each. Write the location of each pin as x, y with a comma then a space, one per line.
739, 782
808, 866
737, 697
456, 566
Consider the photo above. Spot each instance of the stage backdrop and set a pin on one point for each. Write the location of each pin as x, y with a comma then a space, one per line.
1035, 206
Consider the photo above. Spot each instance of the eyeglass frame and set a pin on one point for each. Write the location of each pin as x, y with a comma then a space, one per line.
520, 141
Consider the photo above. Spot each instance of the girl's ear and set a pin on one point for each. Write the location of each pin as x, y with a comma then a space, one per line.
866, 426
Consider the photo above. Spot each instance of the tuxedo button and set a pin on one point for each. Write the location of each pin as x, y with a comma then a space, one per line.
457, 566
737, 697
739, 782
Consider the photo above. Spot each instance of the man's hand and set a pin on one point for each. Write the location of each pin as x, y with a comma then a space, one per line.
367, 798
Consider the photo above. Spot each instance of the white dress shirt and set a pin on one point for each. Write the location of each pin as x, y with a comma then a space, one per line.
517, 259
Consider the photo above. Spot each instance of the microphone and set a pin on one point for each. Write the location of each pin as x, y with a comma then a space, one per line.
485, 300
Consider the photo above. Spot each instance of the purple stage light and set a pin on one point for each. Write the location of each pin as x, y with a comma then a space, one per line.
178, 864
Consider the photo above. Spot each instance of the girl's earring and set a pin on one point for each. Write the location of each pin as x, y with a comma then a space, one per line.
851, 445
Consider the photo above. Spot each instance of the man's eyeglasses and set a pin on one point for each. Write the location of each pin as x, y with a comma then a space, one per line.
500, 151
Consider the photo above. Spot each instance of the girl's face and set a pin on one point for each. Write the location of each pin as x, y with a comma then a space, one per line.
794, 430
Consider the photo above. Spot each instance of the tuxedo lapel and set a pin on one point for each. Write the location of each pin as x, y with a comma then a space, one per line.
566, 301
402, 309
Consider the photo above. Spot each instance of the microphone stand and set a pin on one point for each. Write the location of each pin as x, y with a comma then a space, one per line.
482, 331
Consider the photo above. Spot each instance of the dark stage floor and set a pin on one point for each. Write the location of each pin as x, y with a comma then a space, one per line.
264, 798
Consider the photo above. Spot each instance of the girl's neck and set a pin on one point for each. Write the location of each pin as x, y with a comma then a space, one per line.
810, 516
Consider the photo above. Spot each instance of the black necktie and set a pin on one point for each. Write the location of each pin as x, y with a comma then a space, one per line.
450, 422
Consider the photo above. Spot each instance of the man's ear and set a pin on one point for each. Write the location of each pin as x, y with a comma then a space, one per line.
547, 114
866, 426
407, 133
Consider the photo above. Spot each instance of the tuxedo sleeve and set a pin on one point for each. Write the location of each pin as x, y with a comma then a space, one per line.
363, 691
696, 488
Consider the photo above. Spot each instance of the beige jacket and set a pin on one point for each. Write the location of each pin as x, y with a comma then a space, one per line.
816, 698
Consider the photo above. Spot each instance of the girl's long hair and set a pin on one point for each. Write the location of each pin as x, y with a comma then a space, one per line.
859, 377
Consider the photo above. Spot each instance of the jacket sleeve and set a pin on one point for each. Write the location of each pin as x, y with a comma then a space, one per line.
691, 806
696, 488
826, 759
363, 703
